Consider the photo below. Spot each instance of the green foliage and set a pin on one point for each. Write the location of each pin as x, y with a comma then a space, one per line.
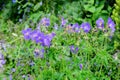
86, 10
58, 63
78, 10
23, 9
95, 48
116, 17
115, 13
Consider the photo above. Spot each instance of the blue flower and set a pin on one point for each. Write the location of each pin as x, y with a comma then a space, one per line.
86, 27
34, 34
39, 53
45, 21
39, 37
74, 49
111, 25
76, 27
80, 66
10, 77
13, 69
55, 27
63, 22
27, 33
1, 56
2, 61
46, 39
100, 23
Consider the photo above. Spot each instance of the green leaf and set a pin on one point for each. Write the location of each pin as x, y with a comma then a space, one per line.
27, 4
104, 12
98, 9
36, 7
90, 2
89, 8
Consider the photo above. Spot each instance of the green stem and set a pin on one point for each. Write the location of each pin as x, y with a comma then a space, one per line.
15, 40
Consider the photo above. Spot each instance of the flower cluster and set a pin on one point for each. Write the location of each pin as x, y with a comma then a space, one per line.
76, 27
2, 60
38, 37
110, 24
73, 28
86, 27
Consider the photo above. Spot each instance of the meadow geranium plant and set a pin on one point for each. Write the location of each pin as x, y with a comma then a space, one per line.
75, 52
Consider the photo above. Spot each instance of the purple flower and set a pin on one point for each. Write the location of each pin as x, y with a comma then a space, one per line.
73, 49
51, 35
55, 27
2, 61
43, 39
36, 52
27, 33
86, 27
80, 66
45, 21
39, 37
111, 25
63, 22
100, 23
10, 77
39, 53
76, 27
42, 53
46, 39
23, 76
1, 56
34, 34
13, 69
